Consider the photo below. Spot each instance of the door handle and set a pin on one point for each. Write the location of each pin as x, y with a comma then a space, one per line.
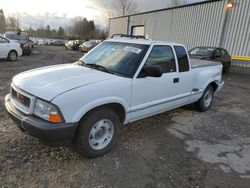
176, 80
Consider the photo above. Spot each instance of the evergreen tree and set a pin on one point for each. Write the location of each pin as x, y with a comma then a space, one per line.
47, 31
60, 32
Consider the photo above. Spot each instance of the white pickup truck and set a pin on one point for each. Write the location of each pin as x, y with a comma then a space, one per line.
120, 81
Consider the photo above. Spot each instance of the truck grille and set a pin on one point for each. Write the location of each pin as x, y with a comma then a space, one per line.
22, 101
20, 98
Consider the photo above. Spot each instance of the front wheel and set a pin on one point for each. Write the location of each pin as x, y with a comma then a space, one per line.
12, 56
206, 99
98, 133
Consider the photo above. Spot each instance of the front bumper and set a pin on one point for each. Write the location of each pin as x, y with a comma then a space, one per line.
48, 133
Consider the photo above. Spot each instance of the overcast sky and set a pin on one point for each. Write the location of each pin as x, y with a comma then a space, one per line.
58, 13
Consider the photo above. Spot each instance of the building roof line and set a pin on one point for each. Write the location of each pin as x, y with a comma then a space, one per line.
169, 8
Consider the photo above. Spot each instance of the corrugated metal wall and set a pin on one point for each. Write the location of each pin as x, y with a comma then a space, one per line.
198, 25
237, 35
118, 26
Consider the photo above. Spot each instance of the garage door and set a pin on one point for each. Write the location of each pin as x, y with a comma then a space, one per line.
138, 30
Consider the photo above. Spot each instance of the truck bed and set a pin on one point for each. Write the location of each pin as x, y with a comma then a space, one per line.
197, 63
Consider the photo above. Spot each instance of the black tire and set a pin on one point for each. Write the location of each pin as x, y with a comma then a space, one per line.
203, 104
226, 67
90, 124
12, 56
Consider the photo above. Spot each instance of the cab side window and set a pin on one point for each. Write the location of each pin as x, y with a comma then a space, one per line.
182, 58
163, 57
217, 52
226, 52
222, 52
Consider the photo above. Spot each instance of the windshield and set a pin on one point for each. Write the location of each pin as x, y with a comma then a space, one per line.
201, 51
119, 58
15, 36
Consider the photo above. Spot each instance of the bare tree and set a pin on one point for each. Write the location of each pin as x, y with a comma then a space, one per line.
124, 7
13, 22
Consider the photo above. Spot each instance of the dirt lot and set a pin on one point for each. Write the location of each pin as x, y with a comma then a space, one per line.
181, 148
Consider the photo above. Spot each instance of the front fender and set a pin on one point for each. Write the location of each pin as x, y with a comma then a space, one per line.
99, 102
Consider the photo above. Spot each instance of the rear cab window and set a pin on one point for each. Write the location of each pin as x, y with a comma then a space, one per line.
182, 58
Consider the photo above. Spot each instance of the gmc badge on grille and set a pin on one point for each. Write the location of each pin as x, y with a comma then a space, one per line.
20, 98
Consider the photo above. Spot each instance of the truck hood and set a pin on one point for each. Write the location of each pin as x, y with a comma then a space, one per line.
49, 82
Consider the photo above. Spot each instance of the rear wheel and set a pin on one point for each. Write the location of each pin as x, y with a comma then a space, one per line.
206, 99
98, 133
12, 56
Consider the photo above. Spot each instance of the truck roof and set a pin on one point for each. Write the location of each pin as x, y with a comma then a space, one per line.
140, 41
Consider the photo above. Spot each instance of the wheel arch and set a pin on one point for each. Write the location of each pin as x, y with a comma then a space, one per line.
119, 106
116, 107
12, 50
213, 83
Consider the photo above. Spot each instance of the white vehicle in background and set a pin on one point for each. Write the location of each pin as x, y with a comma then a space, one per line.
9, 50
40, 42
122, 80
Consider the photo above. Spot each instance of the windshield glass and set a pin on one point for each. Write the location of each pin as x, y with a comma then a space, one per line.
201, 51
15, 36
120, 58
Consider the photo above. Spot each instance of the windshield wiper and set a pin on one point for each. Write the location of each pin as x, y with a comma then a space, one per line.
99, 67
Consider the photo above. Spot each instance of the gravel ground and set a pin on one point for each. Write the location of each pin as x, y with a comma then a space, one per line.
180, 148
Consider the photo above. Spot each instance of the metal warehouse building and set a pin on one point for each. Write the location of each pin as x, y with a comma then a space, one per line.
220, 23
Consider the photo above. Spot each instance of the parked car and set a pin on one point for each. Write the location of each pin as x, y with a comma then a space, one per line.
87, 46
9, 50
128, 79
40, 42
213, 54
57, 43
22, 38
76, 44
73, 44
69, 44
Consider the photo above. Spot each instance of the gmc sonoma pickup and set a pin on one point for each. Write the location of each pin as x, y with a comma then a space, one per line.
120, 81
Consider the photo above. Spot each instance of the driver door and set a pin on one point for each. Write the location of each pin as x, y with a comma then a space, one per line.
152, 95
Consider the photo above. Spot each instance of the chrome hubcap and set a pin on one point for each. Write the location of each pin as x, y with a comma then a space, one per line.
101, 134
208, 98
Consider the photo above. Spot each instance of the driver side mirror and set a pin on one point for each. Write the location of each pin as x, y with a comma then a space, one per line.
150, 71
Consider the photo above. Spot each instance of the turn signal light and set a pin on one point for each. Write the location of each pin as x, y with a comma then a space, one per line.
55, 118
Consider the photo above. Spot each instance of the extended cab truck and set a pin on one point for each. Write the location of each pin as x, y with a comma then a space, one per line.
120, 81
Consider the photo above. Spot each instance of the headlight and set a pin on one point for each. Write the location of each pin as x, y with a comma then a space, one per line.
47, 111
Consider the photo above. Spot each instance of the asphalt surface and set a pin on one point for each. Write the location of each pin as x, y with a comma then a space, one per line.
180, 148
